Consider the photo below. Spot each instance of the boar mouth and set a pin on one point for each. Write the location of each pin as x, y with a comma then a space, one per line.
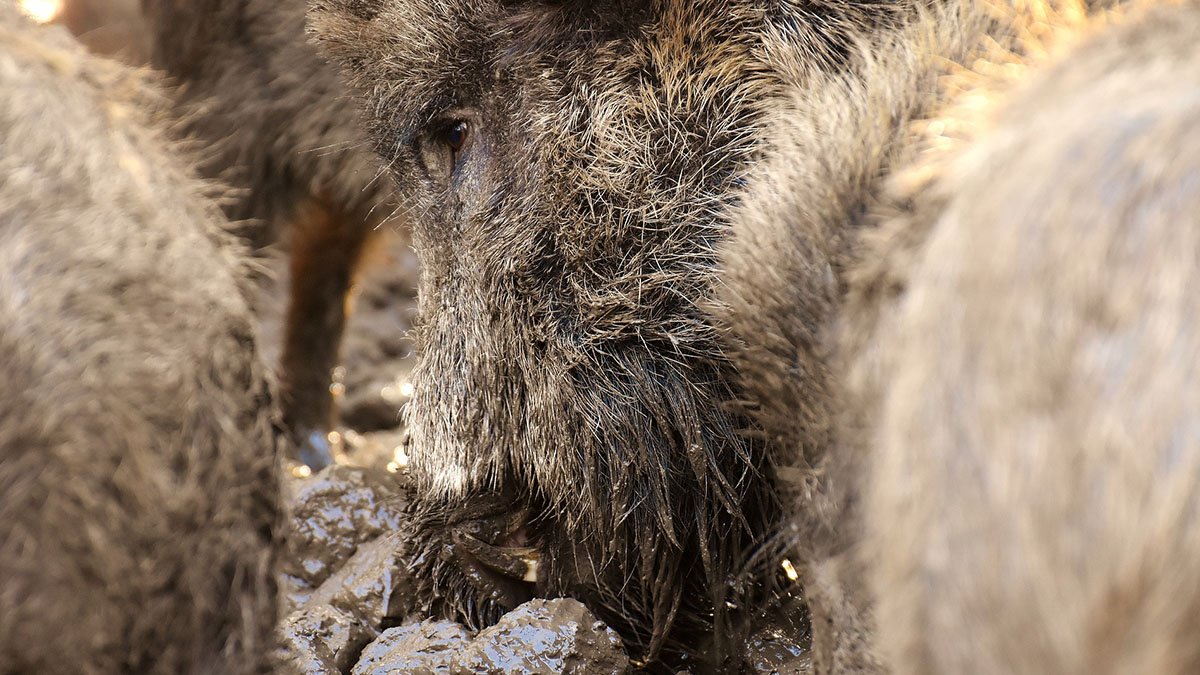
495, 555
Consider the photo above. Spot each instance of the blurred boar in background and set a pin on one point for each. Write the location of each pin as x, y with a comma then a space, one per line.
277, 123
137, 493
1008, 485
1032, 448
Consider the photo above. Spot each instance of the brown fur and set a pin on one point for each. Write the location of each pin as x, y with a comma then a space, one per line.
277, 123
567, 364
137, 496
835, 137
1034, 467
110, 27
839, 143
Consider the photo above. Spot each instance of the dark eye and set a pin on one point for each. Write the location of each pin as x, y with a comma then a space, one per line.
446, 145
455, 136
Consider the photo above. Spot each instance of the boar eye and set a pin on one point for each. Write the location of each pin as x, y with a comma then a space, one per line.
455, 136
446, 144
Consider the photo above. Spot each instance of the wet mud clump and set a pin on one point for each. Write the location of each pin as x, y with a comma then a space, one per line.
425, 648
344, 580
333, 514
137, 489
359, 619
321, 641
541, 637
545, 636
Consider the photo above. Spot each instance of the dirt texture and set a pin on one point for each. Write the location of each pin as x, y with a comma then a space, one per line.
425, 648
541, 637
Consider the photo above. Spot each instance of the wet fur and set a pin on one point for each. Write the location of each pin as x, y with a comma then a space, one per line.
567, 361
137, 497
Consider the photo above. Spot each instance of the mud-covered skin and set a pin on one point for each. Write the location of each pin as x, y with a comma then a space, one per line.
1031, 372
277, 122
566, 365
137, 492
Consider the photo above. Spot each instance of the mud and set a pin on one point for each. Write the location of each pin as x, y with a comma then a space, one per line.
376, 355
543, 637
321, 641
371, 592
373, 588
343, 583
332, 515
372, 378
425, 648
779, 650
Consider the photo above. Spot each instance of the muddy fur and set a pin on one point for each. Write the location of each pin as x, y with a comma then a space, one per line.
276, 121
1035, 470
567, 364
137, 496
